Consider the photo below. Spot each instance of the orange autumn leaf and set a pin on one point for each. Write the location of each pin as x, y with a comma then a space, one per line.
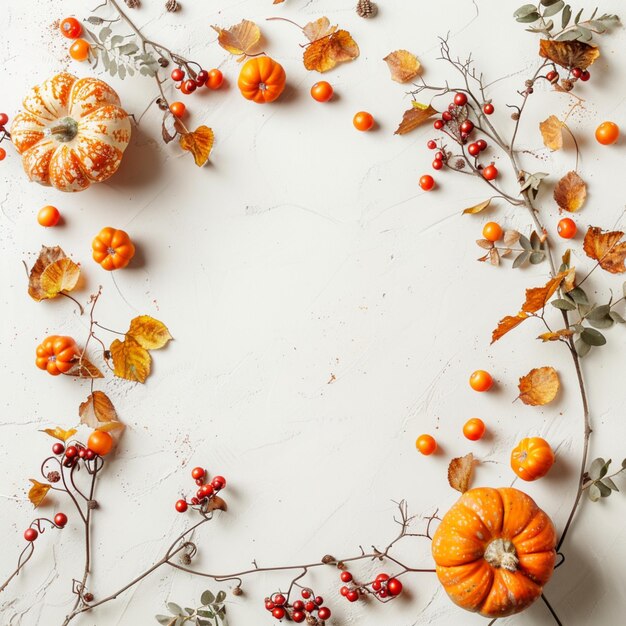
403, 65
58, 433
38, 492
130, 360
539, 386
149, 333
507, 324
460, 472
323, 54
199, 142
606, 248
318, 29
52, 273
570, 192
98, 412
552, 132
556, 335
239, 39
414, 117
569, 54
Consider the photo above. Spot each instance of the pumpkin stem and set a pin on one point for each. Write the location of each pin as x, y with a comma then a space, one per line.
65, 130
502, 553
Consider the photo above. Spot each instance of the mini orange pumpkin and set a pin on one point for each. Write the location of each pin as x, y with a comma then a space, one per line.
494, 551
261, 80
56, 354
112, 249
532, 458
71, 133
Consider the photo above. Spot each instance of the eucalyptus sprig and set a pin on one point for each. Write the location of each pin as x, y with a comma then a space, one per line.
211, 612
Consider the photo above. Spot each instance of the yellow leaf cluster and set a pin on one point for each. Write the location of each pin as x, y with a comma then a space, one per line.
52, 273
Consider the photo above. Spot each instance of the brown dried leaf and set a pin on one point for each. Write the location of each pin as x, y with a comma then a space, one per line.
552, 132
46, 257
539, 386
511, 237
38, 492
569, 282
494, 256
98, 412
570, 192
460, 472
403, 65
216, 504
477, 208
58, 433
318, 29
506, 324
605, 247
149, 333
486, 244
538, 297
199, 142
84, 368
62, 275
130, 360
556, 335
323, 54
569, 54
239, 39
414, 117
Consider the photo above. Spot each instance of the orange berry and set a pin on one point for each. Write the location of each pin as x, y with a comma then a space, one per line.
322, 91
492, 231
481, 381
215, 80
79, 50
178, 109
474, 429
607, 133
427, 182
426, 444
71, 28
363, 120
567, 228
100, 442
48, 216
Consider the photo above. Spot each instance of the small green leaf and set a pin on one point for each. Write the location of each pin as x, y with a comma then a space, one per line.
598, 468
609, 483
578, 16
537, 257
605, 491
566, 16
599, 312
616, 317
521, 259
549, 3
563, 305
584, 34
95, 20
526, 245
221, 596
594, 493
207, 598
104, 34
582, 348
593, 337
174, 608
206, 613
578, 296
525, 10
554, 8
165, 620
128, 48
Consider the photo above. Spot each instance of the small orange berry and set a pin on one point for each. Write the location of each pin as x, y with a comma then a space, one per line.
474, 429
79, 50
178, 109
492, 231
363, 120
48, 216
481, 380
426, 444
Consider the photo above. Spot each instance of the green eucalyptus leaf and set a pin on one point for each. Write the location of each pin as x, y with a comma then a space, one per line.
578, 296
116, 40
524, 10
582, 348
609, 483
190, 611
174, 608
526, 245
165, 620
598, 26
121, 71
578, 16
207, 598
584, 34
553, 9
605, 491
221, 596
616, 317
594, 493
537, 257
104, 34
604, 323
528, 19
549, 3
599, 312
566, 16
521, 259
593, 337
598, 468
563, 305
203, 622
128, 48
578, 328
95, 20
206, 613
570, 35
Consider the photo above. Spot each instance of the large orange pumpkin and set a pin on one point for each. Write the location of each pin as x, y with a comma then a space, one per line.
71, 133
261, 80
494, 551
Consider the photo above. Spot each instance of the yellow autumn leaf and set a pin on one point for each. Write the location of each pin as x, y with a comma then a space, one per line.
323, 54
570, 192
477, 208
239, 39
552, 132
62, 275
318, 29
130, 360
403, 65
606, 248
98, 412
58, 433
460, 472
414, 117
149, 333
38, 492
199, 142
47, 256
539, 386
556, 335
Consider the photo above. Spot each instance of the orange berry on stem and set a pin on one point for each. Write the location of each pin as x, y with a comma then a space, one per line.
492, 231
100, 442
178, 109
48, 216
426, 444
481, 380
363, 120
79, 50
607, 133
322, 91
474, 429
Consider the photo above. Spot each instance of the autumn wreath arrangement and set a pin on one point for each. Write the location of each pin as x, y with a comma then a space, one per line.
495, 548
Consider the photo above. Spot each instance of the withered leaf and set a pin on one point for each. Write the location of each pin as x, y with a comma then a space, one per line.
556, 335
511, 237
403, 65
98, 412
414, 117
606, 248
149, 333
318, 29
570, 192
477, 208
130, 360
38, 492
323, 54
569, 54
569, 282
494, 256
199, 142
460, 472
506, 324
84, 368
486, 244
552, 132
61, 275
239, 39
58, 433
216, 504
47, 256
539, 386
538, 297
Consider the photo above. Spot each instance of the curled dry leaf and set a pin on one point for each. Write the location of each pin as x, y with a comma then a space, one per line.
486, 244
98, 412
199, 142
216, 504
511, 237
552, 132
52, 273
414, 117
149, 333
318, 29
494, 256
239, 39
556, 335
506, 324
569, 54
130, 360
539, 386
606, 248
477, 208
460, 472
570, 192
323, 54
58, 433
38, 492
403, 65
84, 368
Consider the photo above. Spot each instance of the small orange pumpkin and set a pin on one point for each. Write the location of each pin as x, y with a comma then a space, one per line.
112, 249
261, 80
494, 551
532, 458
56, 354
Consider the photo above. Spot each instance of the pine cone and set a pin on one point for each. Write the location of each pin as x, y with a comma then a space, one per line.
172, 6
133, 4
53, 477
366, 8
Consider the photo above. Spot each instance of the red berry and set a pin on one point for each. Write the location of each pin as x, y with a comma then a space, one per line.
460, 99
195, 500
197, 472
567, 228
181, 506
4, 118
202, 77
298, 616
431, 145
482, 144
199, 482
200, 494
437, 164
71, 452
382, 577
279, 599
69, 463
298, 605
30, 534
60, 519
219, 482
451, 106
3, 154
324, 612
585, 76
58, 448
382, 593
189, 86
439, 156
376, 585
71, 28
90, 454
344, 591
446, 116
427, 182
473, 149
319, 600
207, 490
488, 108
438, 124
278, 612
467, 126
490, 172
352, 596
82, 453
309, 606
178, 74
552, 76
394, 587
306, 594
269, 605
577, 72
346, 577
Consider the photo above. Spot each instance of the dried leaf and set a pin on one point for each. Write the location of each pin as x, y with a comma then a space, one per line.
556, 335
46, 257
323, 54
38, 492
130, 360
239, 39
98, 412
199, 142
569, 282
477, 208
216, 504
58, 433
569, 54
414, 117
318, 29
506, 324
570, 192
460, 472
62, 275
552, 132
494, 256
606, 248
148, 332
511, 237
486, 244
403, 65
539, 386
538, 297
84, 368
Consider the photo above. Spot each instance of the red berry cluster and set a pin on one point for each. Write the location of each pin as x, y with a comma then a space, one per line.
206, 490
383, 586
188, 83
36, 527
73, 453
4, 120
310, 608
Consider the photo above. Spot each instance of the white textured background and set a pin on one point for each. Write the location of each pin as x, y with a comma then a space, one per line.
304, 251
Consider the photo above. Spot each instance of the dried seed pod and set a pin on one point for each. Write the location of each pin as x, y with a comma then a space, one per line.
328, 559
133, 4
88, 597
53, 477
172, 6
459, 164
366, 8
567, 84
237, 591
515, 115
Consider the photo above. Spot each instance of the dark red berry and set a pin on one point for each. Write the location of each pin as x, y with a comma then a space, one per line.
71, 452
446, 116
352, 596
178, 74
552, 76
482, 144
181, 506
30, 534
437, 164
202, 77
219, 482
382, 593
346, 577
90, 455
460, 99
382, 577
473, 149
394, 587
319, 600
199, 482
60, 519
58, 448
200, 494
439, 156
490, 172
298, 616
344, 591
431, 145
69, 462
189, 86
585, 76
4, 118
577, 72
269, 605
82, 453
377, 585
438, 124
467, 126
309, 606
195, 500
207, 490
197, 472
279, 599
298, 605
278, 612
306, 594
324, 612
488, 109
